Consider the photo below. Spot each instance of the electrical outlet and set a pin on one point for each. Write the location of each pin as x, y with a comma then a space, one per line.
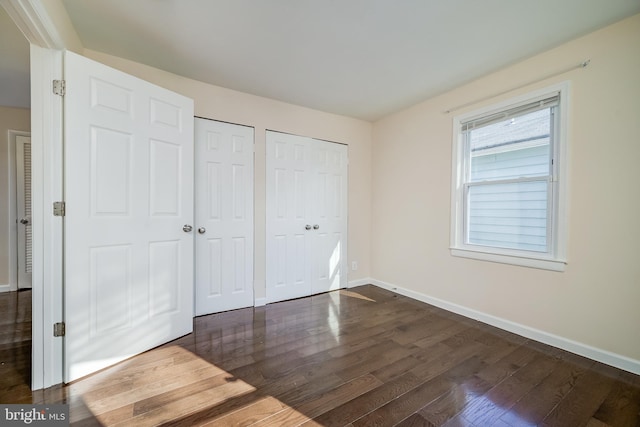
354, 265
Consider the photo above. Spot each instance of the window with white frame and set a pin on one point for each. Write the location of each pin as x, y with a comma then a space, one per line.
509, 181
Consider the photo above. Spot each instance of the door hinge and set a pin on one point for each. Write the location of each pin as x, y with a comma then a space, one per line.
59, 209
58, 329
59, 87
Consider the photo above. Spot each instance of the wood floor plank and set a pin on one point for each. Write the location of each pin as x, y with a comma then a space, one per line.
443, 359
356, 408
506, 366
407, 404
297, 395
590, 391
375, 360
541, 400
250, 415
398, 368
415, 420
447, 406
487, 409
188, 404
146, 401
324, 402
474, 385
273, 388
621, 406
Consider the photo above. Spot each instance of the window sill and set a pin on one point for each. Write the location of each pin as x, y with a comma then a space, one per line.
543, 264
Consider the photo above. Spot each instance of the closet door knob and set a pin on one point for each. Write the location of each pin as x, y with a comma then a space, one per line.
187, 228
307, 227
315, 227
202, 230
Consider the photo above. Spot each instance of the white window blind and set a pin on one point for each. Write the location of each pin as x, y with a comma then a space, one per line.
508, 178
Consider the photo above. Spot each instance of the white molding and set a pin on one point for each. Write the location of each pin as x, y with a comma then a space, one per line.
598, 354
359, 282
6, 288
33, 20
543, 264
260, 302
38, 136
46, 158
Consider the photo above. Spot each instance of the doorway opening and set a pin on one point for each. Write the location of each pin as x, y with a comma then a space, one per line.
15, 128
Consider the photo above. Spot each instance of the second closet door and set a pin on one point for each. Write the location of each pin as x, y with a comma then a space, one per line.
306, 216
224, 216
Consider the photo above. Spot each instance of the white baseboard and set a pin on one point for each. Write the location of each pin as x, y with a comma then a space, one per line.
360, 282
5, 288
600, 355
259, 302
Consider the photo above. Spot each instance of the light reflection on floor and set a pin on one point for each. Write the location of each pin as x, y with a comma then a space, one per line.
153, 388
347, 293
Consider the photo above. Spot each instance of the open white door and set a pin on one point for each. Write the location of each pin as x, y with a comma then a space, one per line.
129, 195
23, 210
224, 216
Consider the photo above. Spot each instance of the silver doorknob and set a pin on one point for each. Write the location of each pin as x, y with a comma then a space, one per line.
202, 230
316, 226
307, 227
24, 221
187, 228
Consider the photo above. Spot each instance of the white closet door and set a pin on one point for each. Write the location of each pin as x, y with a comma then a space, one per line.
306, 216
329, 207
224, 216
129, 196
289, 222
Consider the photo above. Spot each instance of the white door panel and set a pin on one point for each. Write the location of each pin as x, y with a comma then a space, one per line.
23, 214
128, 193
224, 216
330, 207
288, 268
306, 216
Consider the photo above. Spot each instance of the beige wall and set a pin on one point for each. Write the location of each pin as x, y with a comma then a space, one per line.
66, 33
595, 301
10, 119
217, 103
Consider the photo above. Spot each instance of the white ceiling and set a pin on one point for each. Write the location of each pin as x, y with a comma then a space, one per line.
360, 58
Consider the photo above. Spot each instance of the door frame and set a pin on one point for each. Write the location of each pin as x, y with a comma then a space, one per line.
47, 246
47, 42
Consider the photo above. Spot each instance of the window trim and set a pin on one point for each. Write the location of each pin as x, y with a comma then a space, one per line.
556, 258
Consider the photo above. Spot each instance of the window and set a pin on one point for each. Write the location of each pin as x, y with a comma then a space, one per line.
509, 182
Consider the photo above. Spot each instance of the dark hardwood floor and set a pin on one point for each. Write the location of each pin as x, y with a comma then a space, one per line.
358, 357
15, 347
